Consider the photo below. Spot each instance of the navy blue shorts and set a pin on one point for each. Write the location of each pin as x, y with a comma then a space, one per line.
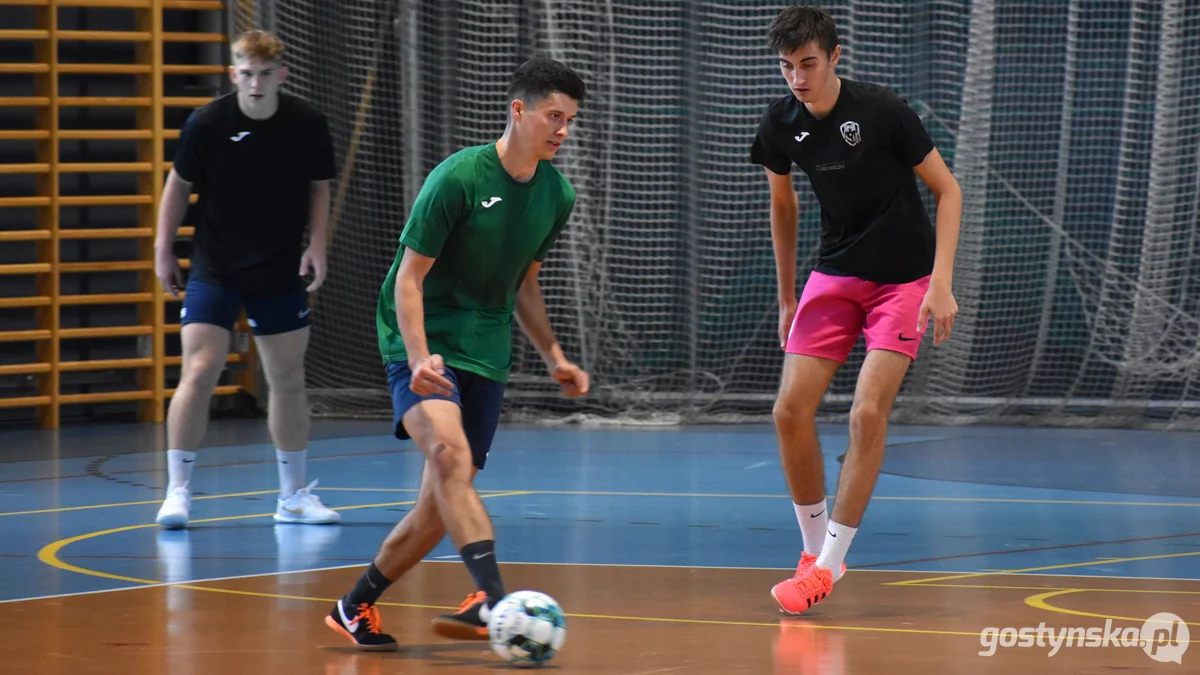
479, 398
211, 303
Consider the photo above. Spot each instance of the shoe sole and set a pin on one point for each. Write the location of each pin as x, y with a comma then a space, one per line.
789, 612
291, 520
366, 648
173, 522
458, 630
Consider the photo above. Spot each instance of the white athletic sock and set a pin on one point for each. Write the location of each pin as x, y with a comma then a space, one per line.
179, 468
291, 471
813, 519
837, 542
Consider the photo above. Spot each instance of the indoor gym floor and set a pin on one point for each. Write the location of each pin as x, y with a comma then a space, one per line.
661, 545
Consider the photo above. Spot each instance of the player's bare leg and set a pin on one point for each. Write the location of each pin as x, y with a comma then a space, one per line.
878, 383
205, 348
436, 427
413, 538
416, 535
282, 356
802, 385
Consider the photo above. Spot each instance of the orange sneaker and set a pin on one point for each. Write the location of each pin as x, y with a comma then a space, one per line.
796, 595
807, 561
466, 623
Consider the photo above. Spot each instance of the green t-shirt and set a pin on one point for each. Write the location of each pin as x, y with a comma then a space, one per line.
484, 228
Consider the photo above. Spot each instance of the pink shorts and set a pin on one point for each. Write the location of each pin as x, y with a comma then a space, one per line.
835, 310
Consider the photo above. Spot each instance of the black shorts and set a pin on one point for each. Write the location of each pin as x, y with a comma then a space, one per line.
218, 305
479, 398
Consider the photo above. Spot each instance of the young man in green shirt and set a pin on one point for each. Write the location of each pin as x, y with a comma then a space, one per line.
468, 260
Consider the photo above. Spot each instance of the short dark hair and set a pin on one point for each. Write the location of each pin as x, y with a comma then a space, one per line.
538, 78
799, 25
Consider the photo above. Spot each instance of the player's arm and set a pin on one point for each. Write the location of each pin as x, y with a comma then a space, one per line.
939, 301
440, 206
785, 214
535, 323
318, 218
173, 204
945, 189
171, 209
426, 368
318, 224
321, 173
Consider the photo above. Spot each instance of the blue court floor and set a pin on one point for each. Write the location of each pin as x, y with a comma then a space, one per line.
77, 507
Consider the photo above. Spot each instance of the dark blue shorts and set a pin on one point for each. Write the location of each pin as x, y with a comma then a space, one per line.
211, 303
479, 398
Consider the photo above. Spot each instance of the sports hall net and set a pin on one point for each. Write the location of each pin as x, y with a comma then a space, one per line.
1072, 126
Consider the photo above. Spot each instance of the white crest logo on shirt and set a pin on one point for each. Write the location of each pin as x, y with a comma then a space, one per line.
491, 202
851, 133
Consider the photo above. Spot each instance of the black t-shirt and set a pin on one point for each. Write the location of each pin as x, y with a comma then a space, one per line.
253, 178
860, 160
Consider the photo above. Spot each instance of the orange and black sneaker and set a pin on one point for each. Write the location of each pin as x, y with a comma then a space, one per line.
362, 629
799, 593
469, 622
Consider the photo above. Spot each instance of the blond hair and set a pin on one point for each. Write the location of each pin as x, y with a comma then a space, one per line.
258, 45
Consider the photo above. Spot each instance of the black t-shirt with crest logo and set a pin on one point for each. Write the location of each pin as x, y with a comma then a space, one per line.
859, 159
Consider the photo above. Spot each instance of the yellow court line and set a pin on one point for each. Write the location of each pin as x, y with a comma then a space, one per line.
984, 500
62, 509
49, 553
1159, 591
1090, 563
711, 622
612, 617
596, 493
998, 500
1039, 602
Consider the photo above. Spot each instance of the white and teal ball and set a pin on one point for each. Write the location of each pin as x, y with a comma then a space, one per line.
527, 628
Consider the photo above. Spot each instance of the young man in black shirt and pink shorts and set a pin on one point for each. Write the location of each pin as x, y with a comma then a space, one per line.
883, 271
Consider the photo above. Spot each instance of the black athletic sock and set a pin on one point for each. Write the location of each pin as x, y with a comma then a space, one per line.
369, 587
480, 558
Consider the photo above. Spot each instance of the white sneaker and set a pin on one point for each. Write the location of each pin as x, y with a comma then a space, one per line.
174, 512
306, 508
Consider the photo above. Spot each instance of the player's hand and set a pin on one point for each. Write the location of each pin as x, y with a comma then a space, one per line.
574, 380
787, 313
428, 377
314, 258
166, 268
939, 305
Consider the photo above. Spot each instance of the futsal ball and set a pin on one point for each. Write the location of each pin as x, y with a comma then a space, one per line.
527, 628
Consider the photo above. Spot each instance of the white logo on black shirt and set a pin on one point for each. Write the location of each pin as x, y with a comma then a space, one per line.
239, 137
851, 132
803, 135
